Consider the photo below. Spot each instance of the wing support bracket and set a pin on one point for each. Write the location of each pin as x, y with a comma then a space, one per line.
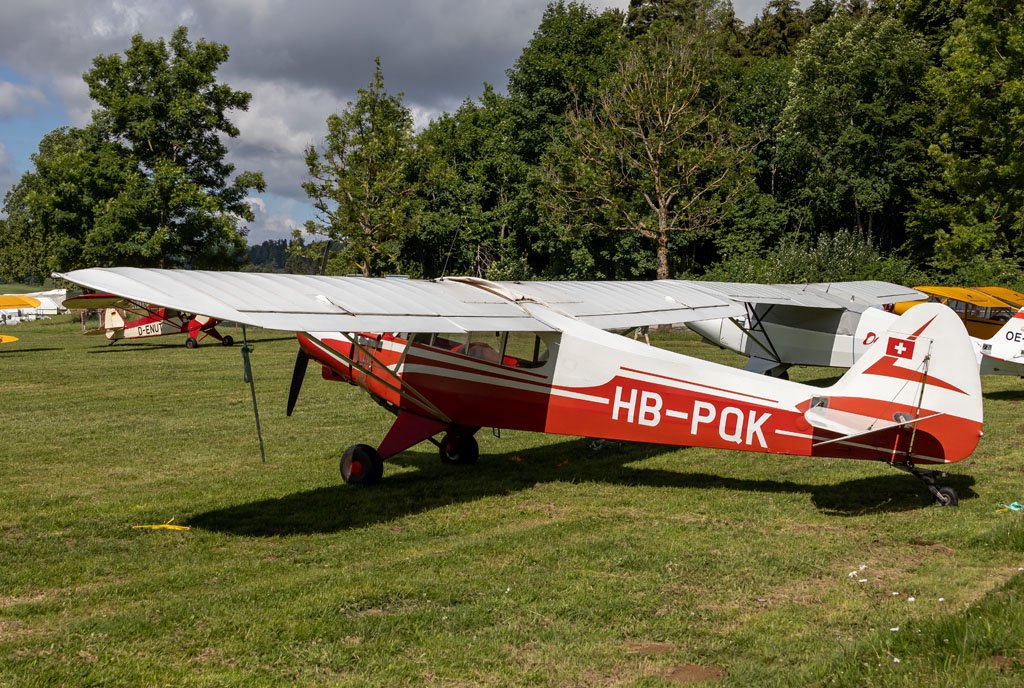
756, 326
405, 390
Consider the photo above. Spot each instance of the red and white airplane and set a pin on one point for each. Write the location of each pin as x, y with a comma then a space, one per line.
123, 318
451, 356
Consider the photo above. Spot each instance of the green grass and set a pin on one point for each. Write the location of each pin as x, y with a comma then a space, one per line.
552, 562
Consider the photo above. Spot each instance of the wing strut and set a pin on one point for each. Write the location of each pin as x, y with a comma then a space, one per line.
247, 377
406, 391
757, 325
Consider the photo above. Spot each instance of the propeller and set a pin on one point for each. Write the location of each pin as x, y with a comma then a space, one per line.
298, 375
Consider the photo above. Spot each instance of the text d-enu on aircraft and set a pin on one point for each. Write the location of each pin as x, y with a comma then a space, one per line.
834, 324
122, 318
913, 398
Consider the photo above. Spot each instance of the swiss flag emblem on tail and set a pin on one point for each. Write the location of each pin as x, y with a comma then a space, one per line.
901, 348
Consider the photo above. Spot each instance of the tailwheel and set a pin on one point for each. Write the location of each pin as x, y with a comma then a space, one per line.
191, 343
227, 341
457, 448
361, 464
944, 496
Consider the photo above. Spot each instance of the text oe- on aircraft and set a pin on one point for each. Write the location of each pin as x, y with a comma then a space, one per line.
914, 398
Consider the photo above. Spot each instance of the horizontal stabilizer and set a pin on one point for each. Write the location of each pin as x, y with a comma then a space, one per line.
850, 425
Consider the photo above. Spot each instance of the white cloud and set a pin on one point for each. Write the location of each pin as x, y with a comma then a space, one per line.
301, 59
19, 99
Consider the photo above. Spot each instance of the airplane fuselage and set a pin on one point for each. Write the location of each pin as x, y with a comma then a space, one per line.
598, 384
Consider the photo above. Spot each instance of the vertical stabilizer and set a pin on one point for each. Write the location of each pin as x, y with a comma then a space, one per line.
1008, 343
917, 388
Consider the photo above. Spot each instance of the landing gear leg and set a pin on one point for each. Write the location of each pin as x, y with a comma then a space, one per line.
361, 464
944, 496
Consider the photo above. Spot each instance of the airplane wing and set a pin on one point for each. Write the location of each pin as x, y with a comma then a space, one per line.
17, 301
855, 296
619, 305
308, 303
97, 301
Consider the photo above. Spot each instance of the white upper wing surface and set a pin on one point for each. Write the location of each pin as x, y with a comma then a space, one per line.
831, 295
307, 303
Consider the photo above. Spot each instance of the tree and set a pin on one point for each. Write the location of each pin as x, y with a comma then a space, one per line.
778, 28
980, 89
52, 210
359, 183
848, 134
145, 183
571, 51
474, 193
653, 157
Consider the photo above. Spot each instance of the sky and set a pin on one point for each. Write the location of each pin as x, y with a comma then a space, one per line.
301, 60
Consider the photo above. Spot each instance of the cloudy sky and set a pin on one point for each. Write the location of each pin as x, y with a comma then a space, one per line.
301, 60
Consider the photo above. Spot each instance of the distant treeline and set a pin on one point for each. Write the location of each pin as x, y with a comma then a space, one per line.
848, 140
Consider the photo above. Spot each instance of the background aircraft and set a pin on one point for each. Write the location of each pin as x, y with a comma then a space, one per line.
982, 311
788, 325
546, 363
11, 308
122, 318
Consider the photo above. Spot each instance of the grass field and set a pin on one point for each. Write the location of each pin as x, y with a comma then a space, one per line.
553, 562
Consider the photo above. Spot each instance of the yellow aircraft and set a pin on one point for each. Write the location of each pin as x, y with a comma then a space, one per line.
17, 301
982, 312
1014, 299
11, 301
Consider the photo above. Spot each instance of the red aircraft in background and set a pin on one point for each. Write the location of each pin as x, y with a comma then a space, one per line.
122, 318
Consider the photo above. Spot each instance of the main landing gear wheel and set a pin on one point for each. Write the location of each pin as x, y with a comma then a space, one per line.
191, 343
459, 449
946, 496
228, 341
361, 465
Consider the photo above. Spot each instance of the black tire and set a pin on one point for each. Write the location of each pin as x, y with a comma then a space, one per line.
228, 340
459, 449
191, 343
947, 497
361, 464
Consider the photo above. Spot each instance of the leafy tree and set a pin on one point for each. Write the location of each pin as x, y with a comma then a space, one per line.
979, 209
653, 156
145, 183
359, 184
778, 28
839, 256
643, 15
760, 216
571, 51
52, 210
472, 184
848, 131
162, 104
933, 19
476, 169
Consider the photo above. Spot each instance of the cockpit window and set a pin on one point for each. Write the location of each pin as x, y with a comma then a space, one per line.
524, 350
511, 349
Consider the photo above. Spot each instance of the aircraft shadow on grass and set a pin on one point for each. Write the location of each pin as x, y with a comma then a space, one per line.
12, 351
1006, 395
433, 485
